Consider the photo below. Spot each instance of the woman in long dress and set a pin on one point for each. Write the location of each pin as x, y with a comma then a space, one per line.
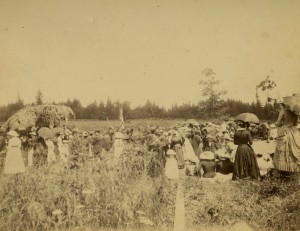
287, 152
63, 148
40, 151
14, 162
118, 145
191, 160
245, 164
177, 142
157, 162
171, 169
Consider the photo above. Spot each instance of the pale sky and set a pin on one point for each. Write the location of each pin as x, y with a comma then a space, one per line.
142, 49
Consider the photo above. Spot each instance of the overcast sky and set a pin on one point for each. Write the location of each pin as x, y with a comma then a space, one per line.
142, 49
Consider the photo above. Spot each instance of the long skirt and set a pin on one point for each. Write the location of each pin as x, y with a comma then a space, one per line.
14, 162
189, 153
171, 169
245, 164
287, 152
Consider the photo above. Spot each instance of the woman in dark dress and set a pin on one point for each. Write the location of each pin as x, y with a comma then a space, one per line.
157, 163
245, 164
176, 144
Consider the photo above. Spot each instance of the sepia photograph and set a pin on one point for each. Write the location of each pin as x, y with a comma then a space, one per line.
169, 115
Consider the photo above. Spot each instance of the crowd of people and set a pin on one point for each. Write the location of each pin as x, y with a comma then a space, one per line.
202, 149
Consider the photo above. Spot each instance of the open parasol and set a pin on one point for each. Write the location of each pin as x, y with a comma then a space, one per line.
247, 117
57, 130
46, 133
293, 103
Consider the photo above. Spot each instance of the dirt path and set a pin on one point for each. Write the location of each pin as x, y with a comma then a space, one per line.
179, 220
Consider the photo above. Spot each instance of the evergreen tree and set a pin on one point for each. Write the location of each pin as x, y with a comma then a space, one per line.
39, 98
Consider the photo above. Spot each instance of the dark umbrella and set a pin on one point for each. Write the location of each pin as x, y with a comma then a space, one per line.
293, 103
247, 117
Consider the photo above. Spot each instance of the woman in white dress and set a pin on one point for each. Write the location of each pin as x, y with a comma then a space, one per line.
118, 144
14, 162
191, 160
171, 168
63, 148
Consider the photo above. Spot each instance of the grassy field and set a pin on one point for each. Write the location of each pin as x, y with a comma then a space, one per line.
113, 196
264, 205
99, 195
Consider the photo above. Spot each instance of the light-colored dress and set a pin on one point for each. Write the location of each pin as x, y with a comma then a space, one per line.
14, 162
188, 152
118, 147
51, 155
63, 149
287, 152
171, 168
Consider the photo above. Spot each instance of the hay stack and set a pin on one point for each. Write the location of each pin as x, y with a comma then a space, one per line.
39, 116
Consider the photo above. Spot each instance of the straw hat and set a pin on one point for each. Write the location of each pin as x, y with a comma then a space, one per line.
207, 155
13, 133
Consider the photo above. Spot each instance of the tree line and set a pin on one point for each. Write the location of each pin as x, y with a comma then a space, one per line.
212, 107
109, 110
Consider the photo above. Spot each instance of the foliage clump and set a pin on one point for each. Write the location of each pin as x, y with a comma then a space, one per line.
39, 115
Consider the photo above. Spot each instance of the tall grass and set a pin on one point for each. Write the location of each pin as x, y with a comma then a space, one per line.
105, 194
265, 205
